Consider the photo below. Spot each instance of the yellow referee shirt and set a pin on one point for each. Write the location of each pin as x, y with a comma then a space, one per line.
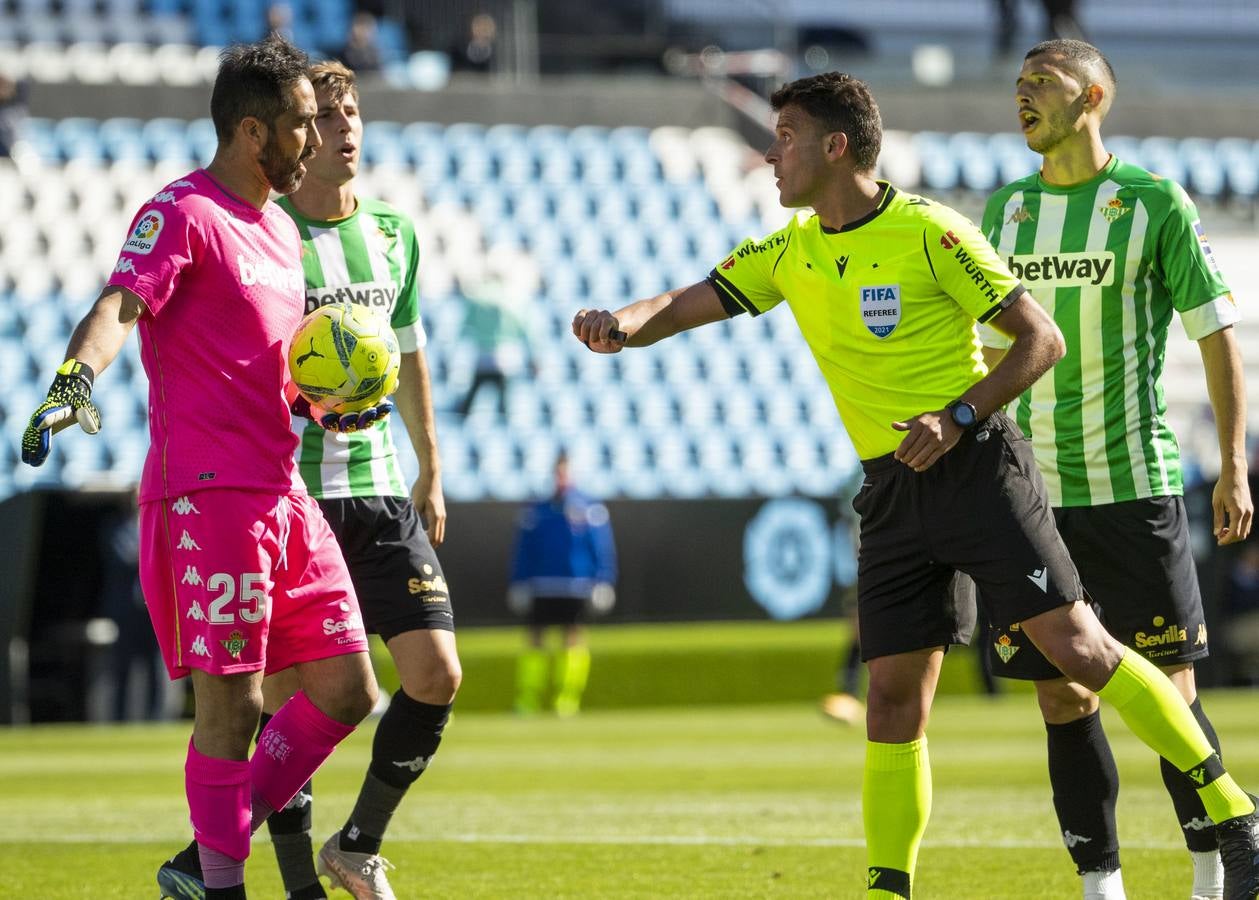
888, 305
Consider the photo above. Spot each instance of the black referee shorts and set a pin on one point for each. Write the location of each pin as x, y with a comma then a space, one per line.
1136, 561
980, 510
395, 571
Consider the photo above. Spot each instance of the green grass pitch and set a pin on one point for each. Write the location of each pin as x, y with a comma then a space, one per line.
760, 801
702, 801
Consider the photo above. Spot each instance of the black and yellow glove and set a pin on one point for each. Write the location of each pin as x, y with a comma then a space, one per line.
69, 401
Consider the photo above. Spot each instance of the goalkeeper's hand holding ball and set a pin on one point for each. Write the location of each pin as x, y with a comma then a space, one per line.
69, 400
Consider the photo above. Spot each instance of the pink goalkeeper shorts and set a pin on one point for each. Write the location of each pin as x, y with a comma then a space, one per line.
238, 581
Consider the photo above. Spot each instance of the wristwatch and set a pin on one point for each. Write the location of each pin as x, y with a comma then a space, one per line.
963, 414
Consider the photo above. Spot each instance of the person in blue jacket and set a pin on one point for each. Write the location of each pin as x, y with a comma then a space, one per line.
563, 571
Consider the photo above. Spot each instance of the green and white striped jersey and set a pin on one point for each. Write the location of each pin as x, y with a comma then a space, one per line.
1110, 259
372, 259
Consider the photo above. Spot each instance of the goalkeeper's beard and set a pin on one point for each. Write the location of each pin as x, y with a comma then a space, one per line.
282, 173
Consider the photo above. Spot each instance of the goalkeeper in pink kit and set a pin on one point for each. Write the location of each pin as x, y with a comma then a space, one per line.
241, 573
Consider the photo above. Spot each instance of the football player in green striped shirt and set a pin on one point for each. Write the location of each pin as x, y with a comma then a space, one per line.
886, 288
1112, 252
365, 251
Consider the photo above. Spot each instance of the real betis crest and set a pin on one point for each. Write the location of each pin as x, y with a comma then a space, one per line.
234, 644
1114, 210
1005, 649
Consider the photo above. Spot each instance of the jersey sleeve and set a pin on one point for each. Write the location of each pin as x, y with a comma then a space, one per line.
161, 244
744, 280
1189, 270
990, 226
406, 321
966, 266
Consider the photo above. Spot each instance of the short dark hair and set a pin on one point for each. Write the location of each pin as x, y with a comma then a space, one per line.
1086, 62
253, 80
336, 78
841, 103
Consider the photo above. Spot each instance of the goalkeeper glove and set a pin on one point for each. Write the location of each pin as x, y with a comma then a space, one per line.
345, 422
69, 400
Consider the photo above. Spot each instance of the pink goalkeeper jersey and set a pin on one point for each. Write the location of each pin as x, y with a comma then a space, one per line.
224, 289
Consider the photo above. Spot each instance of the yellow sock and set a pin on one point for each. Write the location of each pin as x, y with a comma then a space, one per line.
1151, 706
572, 670
896, 803
531, 679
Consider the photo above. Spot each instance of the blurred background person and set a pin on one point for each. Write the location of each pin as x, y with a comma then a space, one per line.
362, 47
564, 570
280, 20
477, 51
134, 652
13, 111
496, 327
1241, 615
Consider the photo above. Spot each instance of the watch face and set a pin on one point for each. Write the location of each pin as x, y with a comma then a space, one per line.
964, 415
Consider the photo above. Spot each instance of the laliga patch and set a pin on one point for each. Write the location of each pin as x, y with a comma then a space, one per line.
144, 236
881, 308
1206, 247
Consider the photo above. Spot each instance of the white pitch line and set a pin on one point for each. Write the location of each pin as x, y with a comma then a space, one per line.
668, 840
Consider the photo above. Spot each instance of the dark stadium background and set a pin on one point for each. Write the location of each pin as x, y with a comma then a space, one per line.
606, 77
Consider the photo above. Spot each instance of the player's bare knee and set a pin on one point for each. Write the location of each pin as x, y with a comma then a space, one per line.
437, 682
1062, 701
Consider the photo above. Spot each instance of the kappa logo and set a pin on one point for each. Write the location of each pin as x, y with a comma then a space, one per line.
1073, 840
164, 197
183, 506
1040, 578
1019, 216
198, 647
183, 182
195, 612
417, 765
191, 576
124, 267
1196, 824
1201, 638
1005, 648
186, 542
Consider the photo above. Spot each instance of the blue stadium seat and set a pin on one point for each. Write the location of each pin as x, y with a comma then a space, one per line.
167, 138
123, 139
977, 165
940, 170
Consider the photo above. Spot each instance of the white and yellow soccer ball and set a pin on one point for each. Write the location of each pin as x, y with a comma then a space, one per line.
344, 358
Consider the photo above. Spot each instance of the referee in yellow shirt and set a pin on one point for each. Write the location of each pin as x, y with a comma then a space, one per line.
886, 288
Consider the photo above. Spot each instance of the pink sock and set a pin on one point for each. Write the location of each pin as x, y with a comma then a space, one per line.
218, 870
219, 802
293, 745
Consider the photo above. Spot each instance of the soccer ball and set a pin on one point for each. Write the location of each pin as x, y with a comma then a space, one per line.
344, 358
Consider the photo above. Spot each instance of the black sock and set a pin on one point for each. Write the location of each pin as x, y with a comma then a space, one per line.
1085, 785
406, 738
237, 892
850, 682
1192, 816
